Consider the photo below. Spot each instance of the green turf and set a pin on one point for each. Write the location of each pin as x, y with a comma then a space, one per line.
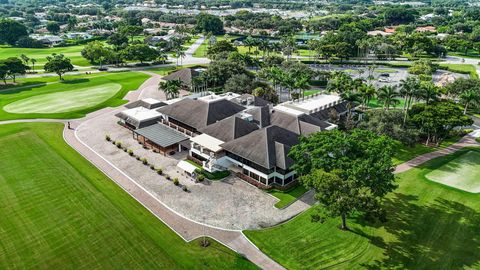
404, 153
72, 52
65, 101
430, 226
41, 89
462, 173
59, 212
375, 103
461, 68
288, 196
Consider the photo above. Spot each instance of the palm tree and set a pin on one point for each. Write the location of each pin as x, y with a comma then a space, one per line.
249, 42
288, 46
429, 92
302, 83
170, 88
367, 92
351, 98
33, 61
470, 97
409, 88
388, 95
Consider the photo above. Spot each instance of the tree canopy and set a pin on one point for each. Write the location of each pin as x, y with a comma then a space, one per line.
351, 171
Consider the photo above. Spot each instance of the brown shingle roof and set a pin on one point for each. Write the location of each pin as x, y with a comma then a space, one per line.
185, 75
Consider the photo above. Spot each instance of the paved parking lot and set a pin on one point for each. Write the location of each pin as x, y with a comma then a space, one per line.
230, 203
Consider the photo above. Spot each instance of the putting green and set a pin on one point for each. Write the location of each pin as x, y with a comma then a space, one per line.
66, 101
462, 173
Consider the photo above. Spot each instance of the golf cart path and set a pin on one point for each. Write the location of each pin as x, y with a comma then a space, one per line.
187, 229
467, 141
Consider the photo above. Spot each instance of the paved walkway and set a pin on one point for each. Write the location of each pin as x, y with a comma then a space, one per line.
467, 141
184, 227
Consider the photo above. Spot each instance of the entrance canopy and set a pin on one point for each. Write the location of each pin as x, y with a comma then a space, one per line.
189, 168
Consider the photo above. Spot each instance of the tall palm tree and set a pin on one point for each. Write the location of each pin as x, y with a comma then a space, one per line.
33, 61
250, 43
388, 95
409, 89
470, 97
429, 92
302, 83
367, 92
351, 98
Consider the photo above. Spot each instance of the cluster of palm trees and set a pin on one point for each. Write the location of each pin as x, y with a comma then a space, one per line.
26, 60
286, 45
411, 90
294, 80
170, 88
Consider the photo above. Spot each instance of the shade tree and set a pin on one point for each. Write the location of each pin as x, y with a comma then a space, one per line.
351, 172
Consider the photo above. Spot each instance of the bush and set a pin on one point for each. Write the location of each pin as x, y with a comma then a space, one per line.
107, 137
185, 188
160, 171
201, 177
114, 142
125, 149
477, 139
118, 144
130, 152
144, 161
176, 182
152, 167
167, 177
137, 157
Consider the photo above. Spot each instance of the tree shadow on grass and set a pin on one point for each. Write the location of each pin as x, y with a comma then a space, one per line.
21, 88
75, 81
443, 234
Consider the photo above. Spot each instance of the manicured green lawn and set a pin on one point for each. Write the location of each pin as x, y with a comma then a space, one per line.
311, 92
65, 101
59, 212
375, 103
288, 196
462, 173
72, 52
404, 153
461, 68
75, 96
429, 226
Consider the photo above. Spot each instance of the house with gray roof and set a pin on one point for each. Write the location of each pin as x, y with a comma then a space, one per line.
240, 133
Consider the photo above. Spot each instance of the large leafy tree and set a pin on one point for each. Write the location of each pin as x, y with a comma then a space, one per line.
53, 27
220, 47
58, 64
437, 119
140, 52
96, 51
350, 172
207, 23
11, 31
470, 97
13, 67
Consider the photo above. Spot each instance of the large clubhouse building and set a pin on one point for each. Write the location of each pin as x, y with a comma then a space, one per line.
241, 133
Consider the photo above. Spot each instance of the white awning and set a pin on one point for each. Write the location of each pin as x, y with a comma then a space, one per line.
189, 168
208, 142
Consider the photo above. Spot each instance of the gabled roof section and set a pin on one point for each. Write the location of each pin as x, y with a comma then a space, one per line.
261, 116
300, 124
185, 75
325, 113
229, 129
199, 114
261, 146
